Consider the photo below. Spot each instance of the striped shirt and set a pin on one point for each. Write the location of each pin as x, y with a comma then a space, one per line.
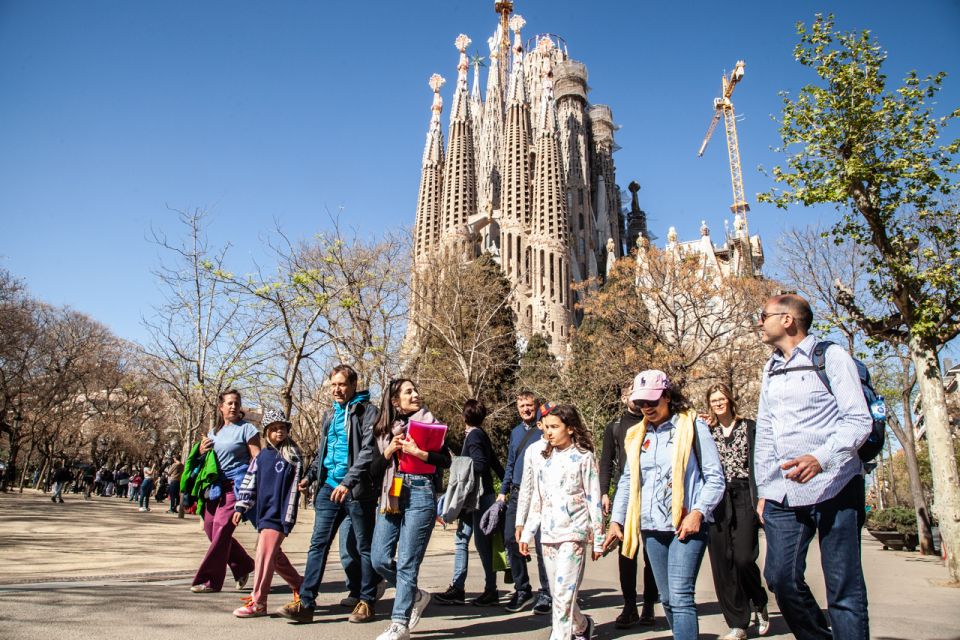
799, 416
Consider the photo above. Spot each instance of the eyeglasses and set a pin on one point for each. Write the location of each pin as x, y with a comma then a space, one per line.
764, 315
649, 404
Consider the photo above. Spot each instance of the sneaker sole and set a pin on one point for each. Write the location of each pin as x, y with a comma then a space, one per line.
528, 603
446, 602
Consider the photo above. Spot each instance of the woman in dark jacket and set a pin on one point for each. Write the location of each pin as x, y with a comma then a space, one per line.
407, 504
476, 446
734, 545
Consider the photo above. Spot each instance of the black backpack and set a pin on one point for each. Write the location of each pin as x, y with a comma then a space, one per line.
878, 408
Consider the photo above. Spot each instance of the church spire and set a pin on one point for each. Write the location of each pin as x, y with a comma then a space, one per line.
428, 221
549, 201
491, 132
515, 159
460, 170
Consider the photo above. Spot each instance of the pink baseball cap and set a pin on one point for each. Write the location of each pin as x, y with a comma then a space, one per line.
649, 385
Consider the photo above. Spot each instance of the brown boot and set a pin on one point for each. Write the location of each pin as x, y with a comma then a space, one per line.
296, 611
363, 612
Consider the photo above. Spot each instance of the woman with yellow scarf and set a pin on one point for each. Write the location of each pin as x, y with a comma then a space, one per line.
670, 485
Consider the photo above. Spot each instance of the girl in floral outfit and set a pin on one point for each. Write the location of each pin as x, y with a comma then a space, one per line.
566, 506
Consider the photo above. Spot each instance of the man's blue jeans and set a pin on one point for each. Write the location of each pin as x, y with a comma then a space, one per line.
327, 516
469, 526
675, 565
405, 536
789, 531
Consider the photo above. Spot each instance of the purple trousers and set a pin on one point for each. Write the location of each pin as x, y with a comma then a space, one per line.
223, 550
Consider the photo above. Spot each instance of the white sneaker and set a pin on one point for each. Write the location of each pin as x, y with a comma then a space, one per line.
763, 621
734, 634
142, 509
423, 599
395, 631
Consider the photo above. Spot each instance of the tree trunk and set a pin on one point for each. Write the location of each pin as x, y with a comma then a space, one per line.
905, 436
891, 468
943, 464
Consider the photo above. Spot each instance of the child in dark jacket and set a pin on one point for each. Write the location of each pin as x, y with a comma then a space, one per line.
268, 498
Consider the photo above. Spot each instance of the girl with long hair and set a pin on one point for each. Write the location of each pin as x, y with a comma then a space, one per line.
566, 509
407, 504
734, 541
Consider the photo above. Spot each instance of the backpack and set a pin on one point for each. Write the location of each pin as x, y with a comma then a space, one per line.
878, 408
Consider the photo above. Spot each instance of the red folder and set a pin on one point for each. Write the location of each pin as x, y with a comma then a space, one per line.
428, 437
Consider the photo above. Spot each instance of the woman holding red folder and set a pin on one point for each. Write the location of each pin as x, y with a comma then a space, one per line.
407, 501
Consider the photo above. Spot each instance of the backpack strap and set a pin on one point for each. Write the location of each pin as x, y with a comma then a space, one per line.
819, 365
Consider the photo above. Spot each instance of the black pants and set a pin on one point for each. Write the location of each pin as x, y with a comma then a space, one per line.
628, 581
734, 548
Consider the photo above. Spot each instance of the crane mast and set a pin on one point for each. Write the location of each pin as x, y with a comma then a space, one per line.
723, 108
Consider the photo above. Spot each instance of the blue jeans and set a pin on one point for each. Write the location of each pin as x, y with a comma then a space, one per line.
469, 525
675, 565
327, 516
518, 563
405, 535
789, 531
145, 490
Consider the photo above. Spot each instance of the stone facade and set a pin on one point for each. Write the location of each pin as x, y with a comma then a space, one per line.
528, 176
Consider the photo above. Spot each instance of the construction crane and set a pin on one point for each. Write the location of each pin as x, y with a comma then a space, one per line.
723, 107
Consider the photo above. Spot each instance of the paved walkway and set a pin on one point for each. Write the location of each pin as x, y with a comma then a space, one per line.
101, 569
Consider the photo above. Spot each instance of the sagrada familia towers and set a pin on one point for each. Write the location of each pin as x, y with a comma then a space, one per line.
527, 175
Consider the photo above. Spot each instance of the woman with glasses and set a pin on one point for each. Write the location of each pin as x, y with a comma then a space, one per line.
407, 504
734, 544
669, 487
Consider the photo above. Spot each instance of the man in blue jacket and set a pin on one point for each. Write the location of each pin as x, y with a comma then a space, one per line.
342, 466
521, 437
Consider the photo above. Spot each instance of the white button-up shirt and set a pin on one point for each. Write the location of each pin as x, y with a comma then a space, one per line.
798, 415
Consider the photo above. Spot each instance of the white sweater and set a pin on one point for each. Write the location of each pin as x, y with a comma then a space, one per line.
565, 501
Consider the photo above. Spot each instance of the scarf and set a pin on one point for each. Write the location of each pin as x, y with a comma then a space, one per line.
685, 424
389, 503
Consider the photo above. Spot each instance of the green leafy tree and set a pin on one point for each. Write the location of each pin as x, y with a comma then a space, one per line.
875, 153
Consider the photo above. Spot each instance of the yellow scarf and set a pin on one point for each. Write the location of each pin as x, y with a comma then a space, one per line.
684, 423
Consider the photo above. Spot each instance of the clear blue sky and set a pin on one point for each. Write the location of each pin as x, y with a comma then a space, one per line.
111, 111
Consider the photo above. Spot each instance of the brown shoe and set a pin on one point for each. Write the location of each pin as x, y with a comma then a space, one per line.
363, 612
296, 611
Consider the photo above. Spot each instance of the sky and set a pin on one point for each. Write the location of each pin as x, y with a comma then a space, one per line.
115, 113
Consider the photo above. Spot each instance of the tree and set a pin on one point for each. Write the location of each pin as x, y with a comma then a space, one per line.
671, 311
465, 340
202, 338
875, 153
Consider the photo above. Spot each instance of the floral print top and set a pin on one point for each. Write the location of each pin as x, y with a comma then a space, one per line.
734, 451
565, 505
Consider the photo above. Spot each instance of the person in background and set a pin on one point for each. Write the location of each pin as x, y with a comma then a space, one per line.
476, 446
521, 437
174, 471
734, 541
146, 487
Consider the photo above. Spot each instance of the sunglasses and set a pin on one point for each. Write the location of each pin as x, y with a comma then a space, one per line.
764, 315
649, 404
